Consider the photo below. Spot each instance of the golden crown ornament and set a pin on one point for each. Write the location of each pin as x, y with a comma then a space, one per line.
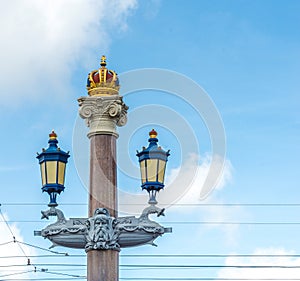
103, 82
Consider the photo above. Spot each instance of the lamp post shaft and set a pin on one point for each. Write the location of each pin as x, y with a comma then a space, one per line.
103, 265
103, 174
102, 115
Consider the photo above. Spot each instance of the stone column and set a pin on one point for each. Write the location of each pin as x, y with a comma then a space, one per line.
102, 114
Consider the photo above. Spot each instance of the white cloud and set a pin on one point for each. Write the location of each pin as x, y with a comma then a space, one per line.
191, 177
11, 250
41, 41
262, 273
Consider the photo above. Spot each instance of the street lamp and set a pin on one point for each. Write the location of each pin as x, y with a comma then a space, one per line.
102, 234
53, 162
153, 160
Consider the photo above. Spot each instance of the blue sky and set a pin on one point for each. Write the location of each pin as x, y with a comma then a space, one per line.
243, 54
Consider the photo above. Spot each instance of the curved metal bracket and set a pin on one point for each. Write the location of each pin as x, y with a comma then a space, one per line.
103, 232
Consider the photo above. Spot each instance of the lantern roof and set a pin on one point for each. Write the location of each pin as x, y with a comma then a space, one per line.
153, 151
53, 152
102, 81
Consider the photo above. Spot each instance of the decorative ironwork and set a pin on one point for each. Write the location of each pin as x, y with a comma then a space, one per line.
103, 232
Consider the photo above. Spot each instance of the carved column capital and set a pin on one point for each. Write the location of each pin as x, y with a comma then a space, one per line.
103, 114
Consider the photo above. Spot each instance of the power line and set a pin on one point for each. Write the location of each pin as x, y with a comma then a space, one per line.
203, 278
224, 204
208, 266
206, 255
16, 273
230, 223
44, 249
45, 279
44, 264
195, 222
147, 266
57, 255
40, 204
168, 256
175, 204
19, 243
6, 243
64, 274
162, 279
14, 238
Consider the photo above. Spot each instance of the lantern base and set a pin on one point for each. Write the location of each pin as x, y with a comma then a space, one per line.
53, 196
52, 204
152, 197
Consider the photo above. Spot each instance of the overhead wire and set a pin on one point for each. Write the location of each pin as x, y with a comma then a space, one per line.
19, 243
175, 204
161, 266
44, 249
14, 238
204, 278
64, 274
208, 266
168, 278
16, 273
6, 243
168, 256
155, 266
208, 255
197, 222
45, 279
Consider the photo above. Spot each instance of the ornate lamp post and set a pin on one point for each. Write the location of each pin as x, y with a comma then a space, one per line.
103, 233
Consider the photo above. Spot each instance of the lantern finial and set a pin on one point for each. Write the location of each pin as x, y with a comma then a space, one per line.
53, 135
153, 134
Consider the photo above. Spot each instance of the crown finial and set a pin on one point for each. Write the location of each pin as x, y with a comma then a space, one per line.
102, 81
52, 135
153, 134
103, 61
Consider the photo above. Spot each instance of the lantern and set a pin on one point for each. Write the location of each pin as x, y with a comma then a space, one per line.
153, 161
53, 165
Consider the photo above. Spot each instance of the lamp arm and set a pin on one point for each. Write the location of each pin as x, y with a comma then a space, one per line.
101, 231
152, 209
55, 213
